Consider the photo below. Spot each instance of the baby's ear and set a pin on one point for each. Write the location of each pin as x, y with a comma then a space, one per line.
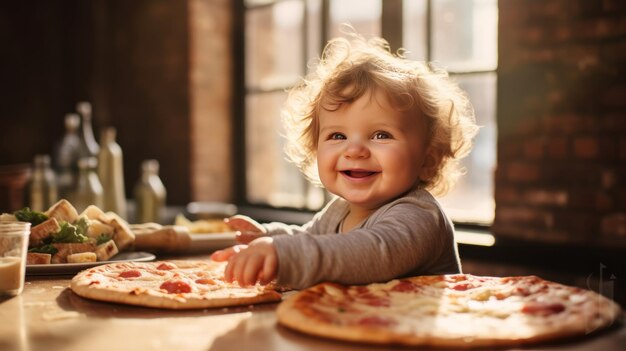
432, 160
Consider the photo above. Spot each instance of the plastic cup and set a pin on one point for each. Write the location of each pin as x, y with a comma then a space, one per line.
13, 248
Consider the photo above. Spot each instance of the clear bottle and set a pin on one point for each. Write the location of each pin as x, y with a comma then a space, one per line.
66, 156
88, 189
88, 145
42, 187
150, 193
111, 173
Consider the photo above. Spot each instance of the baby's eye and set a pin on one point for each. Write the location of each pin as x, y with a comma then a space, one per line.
336, 136
382, 135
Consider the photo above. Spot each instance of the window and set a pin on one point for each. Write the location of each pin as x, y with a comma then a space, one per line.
282, 37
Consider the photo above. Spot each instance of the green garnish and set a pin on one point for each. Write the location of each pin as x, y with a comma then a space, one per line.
70, 233
46, 249
28, 215
103, 238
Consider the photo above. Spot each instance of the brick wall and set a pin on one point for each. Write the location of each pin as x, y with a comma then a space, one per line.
211, 117
158, 71
561, 173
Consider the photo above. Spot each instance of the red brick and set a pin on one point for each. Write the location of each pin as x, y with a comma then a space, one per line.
504, 194
579, 56
614, 224
510, 150
524, 216
586, 147
546, 197
523, 172
558, 147
568, 123
603, 202
609, 179
612, 123
534, 148
613, 52
615, 96
542, 55
599, 28
532, 35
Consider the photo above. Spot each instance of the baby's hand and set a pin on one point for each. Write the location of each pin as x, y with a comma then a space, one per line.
248, 264
247, 228
224, 255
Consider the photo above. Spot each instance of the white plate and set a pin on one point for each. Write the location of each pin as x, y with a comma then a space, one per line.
208, 242
71, 268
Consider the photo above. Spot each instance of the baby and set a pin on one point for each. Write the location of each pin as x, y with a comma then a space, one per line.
382, 133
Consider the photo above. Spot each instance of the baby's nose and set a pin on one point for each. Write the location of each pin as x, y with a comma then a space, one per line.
356, 149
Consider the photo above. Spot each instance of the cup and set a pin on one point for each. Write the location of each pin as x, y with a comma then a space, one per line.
13, 248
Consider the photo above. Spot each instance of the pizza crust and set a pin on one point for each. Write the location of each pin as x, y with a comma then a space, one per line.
331, 311
103, 283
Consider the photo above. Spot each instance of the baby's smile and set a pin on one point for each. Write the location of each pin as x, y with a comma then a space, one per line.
358, 173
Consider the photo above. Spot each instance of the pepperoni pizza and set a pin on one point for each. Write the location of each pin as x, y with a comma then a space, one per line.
167, 284
456, 311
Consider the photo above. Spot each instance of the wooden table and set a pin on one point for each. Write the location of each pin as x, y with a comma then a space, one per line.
47, 316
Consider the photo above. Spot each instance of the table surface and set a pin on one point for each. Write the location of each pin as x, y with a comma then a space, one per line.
49, 316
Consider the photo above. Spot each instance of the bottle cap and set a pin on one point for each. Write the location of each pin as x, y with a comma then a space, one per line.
72, 121
108, 134
150, 165
87, 163
84, 108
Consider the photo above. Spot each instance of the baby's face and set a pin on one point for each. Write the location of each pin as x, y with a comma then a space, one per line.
368, 152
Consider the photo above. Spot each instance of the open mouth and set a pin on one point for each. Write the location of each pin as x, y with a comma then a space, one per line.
358, 173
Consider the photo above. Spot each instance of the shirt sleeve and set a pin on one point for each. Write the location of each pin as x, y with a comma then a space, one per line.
321, 223
403, 237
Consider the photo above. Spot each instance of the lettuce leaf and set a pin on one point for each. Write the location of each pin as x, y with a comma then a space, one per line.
103, 238
49, 249
28, 215
71, 233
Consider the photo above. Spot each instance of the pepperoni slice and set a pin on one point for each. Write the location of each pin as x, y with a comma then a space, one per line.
206, 281
543, 308
463, 286
376, 321
176, 287
405, 286
166, 266
130, 274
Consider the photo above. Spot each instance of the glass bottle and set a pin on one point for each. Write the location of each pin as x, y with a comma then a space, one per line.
66, 156
42, 188
150, 193
88, 145
88, 189
111, 173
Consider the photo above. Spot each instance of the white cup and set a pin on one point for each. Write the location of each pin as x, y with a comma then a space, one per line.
13, 248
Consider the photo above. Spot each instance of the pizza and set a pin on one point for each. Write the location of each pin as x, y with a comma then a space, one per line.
176, 284
456, 311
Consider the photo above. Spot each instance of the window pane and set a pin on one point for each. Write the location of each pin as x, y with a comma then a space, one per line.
271, 30
270, 178
414, 29
314, 30
251, 3
472, 198
465, 34
363, 15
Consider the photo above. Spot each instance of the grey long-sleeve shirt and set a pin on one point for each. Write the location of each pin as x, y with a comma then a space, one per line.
408, 236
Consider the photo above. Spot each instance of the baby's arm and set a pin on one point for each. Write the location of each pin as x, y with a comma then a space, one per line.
247, 228
248, 264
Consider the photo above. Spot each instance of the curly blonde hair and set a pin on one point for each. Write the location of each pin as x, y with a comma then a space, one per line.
350, 68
